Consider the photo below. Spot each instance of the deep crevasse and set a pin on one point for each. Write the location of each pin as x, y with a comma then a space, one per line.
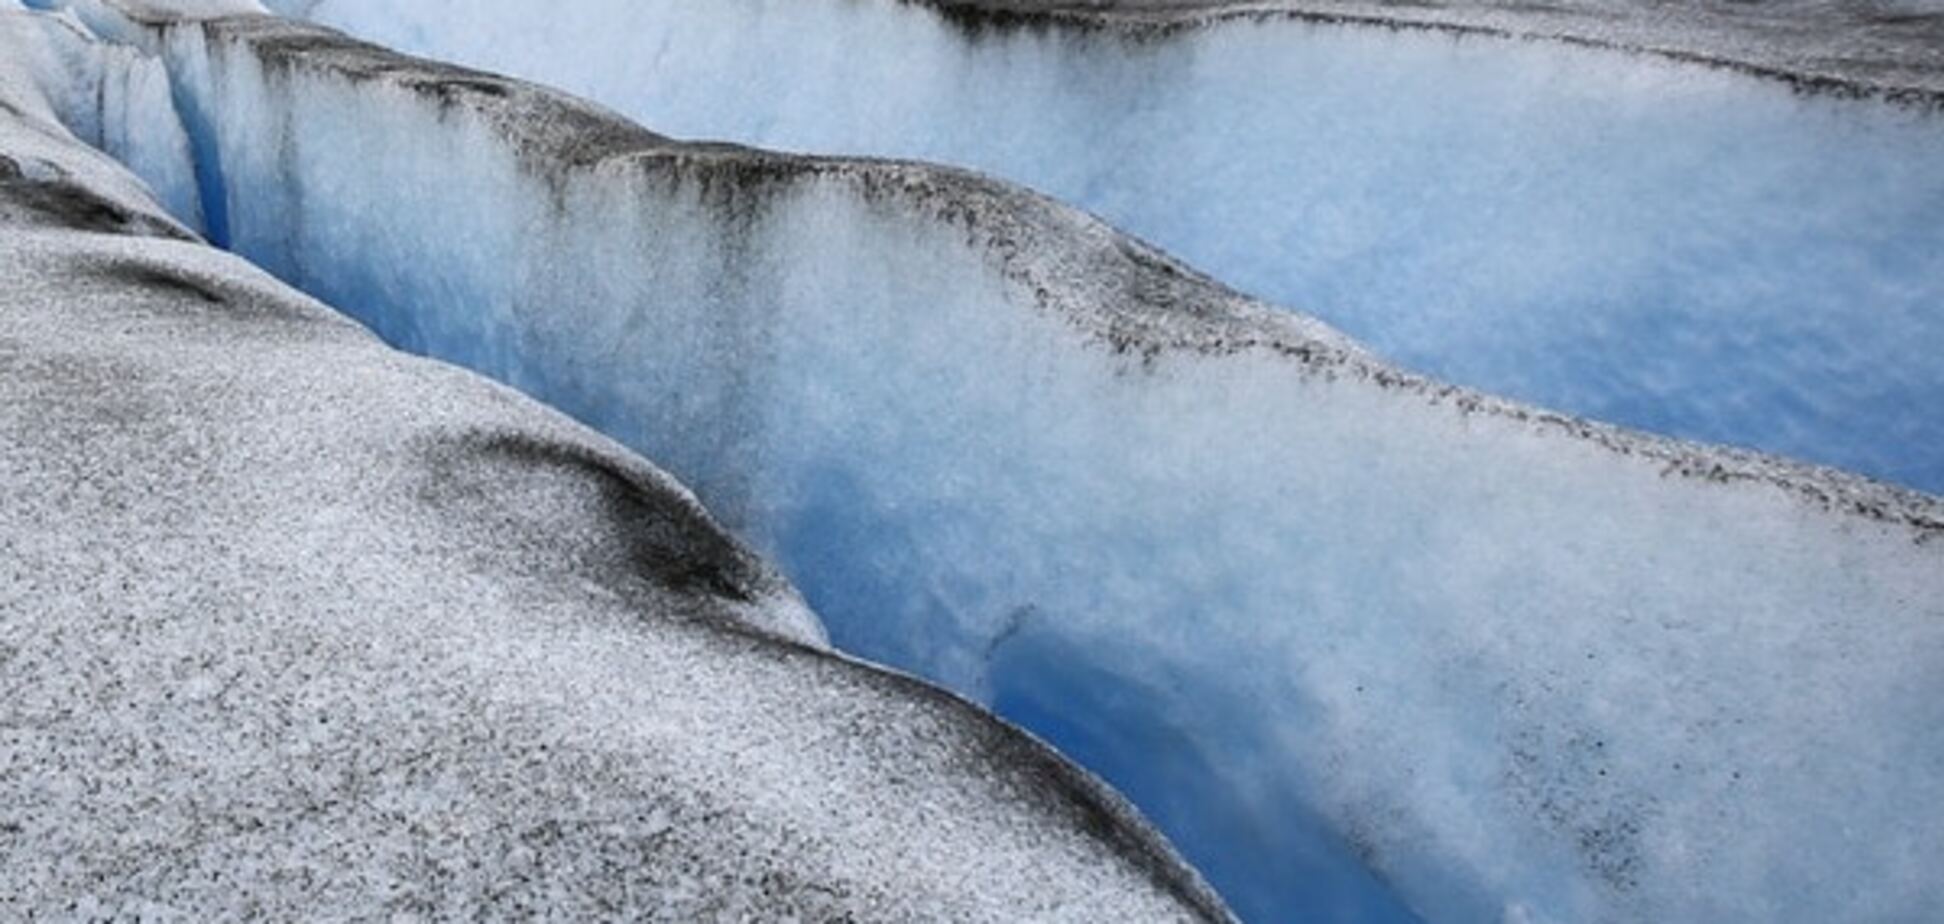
1339, 631
298, 626
1662, 246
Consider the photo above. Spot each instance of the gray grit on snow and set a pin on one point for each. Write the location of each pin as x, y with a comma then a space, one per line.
292, 624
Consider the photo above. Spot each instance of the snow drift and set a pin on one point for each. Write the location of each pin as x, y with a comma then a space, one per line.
1689, 250
1357, 640
293, 625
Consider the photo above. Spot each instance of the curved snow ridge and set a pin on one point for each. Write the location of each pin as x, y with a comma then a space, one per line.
294, 624
1886, 51
1137, 301
1361, 644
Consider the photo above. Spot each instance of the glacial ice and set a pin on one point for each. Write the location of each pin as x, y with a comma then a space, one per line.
1356, 640
1684, 250
296, 626
113, 98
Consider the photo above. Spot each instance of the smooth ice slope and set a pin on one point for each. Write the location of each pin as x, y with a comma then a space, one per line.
297, 627
1346, 634
1688, 250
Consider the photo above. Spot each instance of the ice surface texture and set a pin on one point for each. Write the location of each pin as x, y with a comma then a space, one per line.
296, 626
1348, 635
1688, 250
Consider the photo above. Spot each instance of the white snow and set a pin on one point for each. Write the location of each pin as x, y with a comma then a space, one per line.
1685, 250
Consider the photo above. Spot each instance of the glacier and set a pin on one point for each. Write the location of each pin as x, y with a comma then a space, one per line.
1640, 239
295, 625
1363, 644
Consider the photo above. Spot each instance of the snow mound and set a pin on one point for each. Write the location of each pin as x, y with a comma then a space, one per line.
292, 624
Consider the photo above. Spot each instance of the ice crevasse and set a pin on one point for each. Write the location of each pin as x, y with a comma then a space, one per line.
295, 625
1363, 644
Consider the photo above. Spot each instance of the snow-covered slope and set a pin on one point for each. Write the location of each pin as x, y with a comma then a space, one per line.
1685, 249
1355, 639
293, 626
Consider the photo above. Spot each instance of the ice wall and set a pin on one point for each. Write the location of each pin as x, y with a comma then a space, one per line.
113, 98
1686, 250
1356, 640
294, 626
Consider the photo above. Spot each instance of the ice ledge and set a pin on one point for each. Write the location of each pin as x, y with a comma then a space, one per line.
1163, 305
1125, 295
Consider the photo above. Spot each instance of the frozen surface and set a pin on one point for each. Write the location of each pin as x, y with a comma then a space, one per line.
296, 626
1684, 249
111, 97
1361, 643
